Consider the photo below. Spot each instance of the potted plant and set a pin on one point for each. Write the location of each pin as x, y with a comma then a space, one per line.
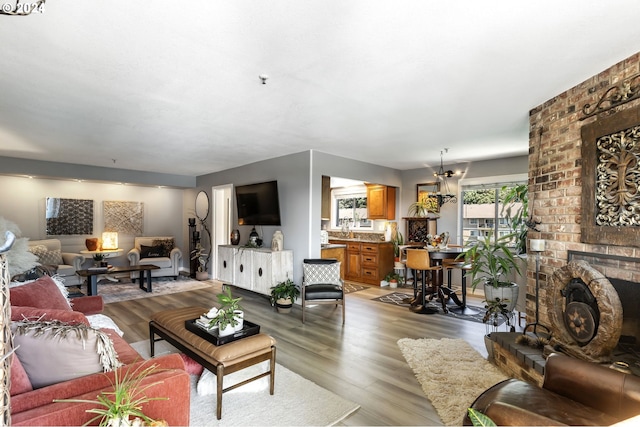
394, 279
423, 208
397, 240
515, 208
230, 315
198, 254
495, 309
99, 260
284, 294
123, 405
491, 261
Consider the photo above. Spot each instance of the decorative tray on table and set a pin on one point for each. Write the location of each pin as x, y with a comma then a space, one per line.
211, 335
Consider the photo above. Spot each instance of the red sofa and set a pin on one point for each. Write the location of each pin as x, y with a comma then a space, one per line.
42, 299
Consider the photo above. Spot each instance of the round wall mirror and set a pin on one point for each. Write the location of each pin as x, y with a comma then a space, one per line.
202, 205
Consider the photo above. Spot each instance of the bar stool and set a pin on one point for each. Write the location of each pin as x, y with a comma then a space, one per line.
418, 260
454, 264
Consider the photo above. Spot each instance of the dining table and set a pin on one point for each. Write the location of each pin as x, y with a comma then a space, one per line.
437, 256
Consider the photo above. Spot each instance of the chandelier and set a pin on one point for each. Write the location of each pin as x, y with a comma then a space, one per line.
444, 195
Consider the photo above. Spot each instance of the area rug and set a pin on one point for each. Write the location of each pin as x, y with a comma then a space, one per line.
353, 287
296, 401
452, 374
125, 290
397, 298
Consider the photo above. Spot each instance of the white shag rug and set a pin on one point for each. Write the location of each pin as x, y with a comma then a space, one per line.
452, 374
296, 401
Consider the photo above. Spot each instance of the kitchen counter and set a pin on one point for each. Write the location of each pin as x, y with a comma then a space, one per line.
333, 245
355, 239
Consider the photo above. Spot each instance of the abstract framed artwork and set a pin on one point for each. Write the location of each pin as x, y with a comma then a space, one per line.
68, 216
124, 217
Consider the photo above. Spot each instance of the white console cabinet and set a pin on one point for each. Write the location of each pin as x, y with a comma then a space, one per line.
254, 269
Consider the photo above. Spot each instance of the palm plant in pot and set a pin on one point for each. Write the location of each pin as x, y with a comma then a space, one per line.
284, 294
491, 262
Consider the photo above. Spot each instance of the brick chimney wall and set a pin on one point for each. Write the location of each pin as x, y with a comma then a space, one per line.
555, 171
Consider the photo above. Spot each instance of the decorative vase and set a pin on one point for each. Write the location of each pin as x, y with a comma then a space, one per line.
277, 242
240, 317
91, 244
227, 330
235, 237
284, 305
509, 293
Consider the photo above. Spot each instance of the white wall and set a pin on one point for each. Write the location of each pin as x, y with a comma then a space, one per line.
22, 200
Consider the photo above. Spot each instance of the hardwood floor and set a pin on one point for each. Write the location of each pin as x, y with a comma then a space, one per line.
360, 361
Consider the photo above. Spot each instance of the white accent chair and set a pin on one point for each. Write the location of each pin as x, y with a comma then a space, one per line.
70, 262
146, 251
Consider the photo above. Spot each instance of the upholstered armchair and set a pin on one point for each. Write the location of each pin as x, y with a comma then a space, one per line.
322, 284
49, 253
160, 251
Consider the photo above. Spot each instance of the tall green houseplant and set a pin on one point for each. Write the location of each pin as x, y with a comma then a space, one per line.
491, 261
515, 208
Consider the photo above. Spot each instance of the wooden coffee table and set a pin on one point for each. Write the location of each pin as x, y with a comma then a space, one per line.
221, 360
92, 276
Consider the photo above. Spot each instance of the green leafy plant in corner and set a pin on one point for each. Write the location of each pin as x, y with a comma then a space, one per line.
479, 419
125, 400
285, 290
422, 208
515, 208
490, 260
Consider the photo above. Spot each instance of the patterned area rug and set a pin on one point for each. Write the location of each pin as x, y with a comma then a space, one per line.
125, 290
397, 298
353, 287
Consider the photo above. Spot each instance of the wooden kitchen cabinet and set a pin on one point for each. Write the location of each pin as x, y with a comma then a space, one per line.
339, 254
369, 262
381, 202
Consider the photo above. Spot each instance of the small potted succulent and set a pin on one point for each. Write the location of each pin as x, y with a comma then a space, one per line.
284, 294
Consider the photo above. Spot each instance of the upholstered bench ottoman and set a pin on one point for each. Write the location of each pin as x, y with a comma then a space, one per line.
225, 359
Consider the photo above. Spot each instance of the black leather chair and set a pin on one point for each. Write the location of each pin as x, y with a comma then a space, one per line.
321, 284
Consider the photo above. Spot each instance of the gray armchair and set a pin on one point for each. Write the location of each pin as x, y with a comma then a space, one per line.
49, 253
158, 251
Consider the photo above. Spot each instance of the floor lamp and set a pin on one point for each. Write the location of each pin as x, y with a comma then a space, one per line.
537, 246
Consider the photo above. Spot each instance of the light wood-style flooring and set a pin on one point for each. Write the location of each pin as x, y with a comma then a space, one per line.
360, 361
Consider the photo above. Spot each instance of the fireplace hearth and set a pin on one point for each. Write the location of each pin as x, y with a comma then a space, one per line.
592, 305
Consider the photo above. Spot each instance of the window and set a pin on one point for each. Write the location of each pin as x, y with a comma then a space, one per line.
349, 206
482, 210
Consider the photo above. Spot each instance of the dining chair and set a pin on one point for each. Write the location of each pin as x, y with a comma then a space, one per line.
321, 284
418, 261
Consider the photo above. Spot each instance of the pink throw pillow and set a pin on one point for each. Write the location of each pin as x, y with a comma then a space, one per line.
19, 379
191, 366
41, 293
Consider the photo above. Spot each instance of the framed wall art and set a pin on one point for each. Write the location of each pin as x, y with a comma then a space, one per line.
68, 216
124, 217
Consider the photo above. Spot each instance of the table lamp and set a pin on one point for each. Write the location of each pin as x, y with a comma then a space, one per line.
109, 240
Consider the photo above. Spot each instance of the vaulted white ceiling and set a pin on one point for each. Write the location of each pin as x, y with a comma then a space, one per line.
174, 87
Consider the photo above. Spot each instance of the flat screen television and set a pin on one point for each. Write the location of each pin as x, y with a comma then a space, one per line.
258, 204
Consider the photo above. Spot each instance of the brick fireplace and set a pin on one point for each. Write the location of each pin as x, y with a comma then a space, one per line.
556, 189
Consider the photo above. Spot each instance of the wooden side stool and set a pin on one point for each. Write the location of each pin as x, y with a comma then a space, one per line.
225, 359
